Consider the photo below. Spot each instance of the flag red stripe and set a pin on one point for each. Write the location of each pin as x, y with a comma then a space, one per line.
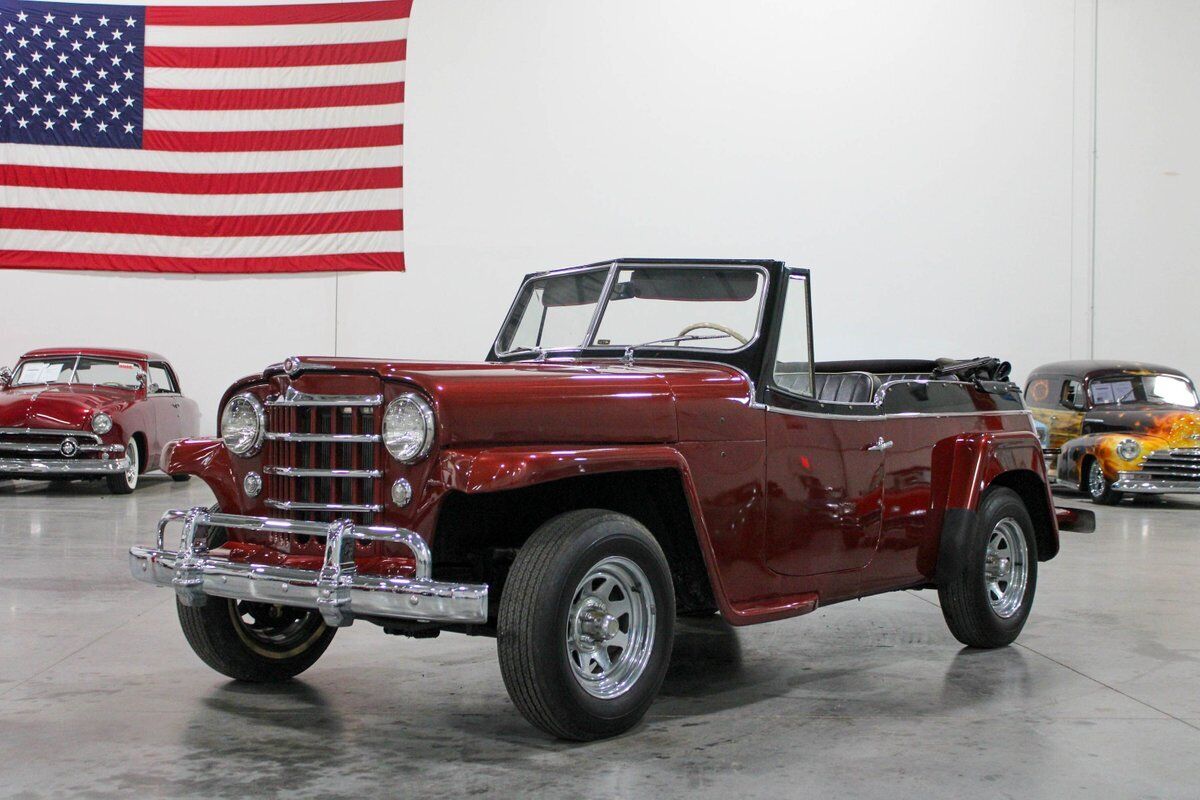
255, 141
370, 94
366, 262
42, 219
301, 55
116, 180
315, 14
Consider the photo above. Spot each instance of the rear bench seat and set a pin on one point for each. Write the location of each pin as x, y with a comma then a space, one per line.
833, 387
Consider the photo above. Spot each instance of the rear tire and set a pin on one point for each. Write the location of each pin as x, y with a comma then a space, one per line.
586, 624
986, 604
125, 482
1098, 487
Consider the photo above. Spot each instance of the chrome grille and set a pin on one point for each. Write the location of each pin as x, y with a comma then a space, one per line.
45, 441
1176, 465
321, 459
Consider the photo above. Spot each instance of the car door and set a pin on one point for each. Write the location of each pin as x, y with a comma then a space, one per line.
163, 394
824, 465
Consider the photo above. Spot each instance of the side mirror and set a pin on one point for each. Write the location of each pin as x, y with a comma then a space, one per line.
6, 377
144, 381
153, 388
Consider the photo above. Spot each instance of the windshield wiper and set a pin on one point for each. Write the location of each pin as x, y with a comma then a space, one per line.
691, 337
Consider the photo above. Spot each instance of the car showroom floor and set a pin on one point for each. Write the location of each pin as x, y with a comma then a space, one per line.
100, 695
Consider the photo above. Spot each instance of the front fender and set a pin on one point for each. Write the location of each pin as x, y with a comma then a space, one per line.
207, 459
506, 468
1103, 447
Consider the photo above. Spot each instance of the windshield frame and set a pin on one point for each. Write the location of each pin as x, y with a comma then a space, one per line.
74, 371
1138, 380
612, 269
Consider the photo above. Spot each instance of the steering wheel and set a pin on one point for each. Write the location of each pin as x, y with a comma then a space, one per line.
695, 326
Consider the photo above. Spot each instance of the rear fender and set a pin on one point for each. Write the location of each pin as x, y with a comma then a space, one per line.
977, 462
507, 468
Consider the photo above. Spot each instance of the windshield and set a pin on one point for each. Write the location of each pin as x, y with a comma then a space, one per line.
1168, 389
77, 370
692, 307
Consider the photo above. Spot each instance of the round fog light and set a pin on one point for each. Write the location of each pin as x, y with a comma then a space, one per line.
401, 492
252, 483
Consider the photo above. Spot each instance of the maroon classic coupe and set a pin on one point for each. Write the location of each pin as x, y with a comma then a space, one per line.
78, 412
645, 439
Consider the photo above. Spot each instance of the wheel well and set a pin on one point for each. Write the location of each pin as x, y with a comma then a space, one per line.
139, 439
1032, 490
478, 535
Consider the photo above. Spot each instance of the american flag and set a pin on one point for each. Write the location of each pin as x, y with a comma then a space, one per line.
251, 138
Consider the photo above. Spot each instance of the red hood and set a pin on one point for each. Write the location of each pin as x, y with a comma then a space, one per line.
59, 406
578, 402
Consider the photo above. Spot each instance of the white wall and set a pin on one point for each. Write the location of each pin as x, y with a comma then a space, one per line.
1148, 182
928, 160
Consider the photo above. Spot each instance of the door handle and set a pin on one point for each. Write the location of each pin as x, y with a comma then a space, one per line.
174, 405
880, 445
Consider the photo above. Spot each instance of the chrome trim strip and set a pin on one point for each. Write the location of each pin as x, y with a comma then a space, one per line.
901, 415
55, 448
62, 466
292, 505
306, 472
63, 432
337, 591
294, 398
341, 438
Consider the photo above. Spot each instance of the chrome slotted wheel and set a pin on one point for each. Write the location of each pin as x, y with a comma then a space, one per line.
1096, 482
1006, 567
610, 627
131, 472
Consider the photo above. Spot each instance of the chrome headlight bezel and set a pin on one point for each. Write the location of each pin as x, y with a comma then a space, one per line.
1129, 449
418, 437
101, 423
244, 446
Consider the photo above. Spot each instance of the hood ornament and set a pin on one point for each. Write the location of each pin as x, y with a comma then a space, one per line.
294, 365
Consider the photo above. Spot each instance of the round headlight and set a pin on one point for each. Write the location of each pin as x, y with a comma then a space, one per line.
243, 424
101, 422
408, 427
1129, 449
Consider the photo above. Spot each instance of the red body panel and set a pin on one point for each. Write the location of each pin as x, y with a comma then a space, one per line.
790, 510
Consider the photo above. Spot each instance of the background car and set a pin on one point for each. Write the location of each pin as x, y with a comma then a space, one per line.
1118, 427
74, 412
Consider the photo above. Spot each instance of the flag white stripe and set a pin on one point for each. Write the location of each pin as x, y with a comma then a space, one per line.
275, 35
273, 77
203, 247
238, 205
160, 161
283, 119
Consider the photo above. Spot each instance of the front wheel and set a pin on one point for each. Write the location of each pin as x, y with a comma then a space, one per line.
987, 602
585, 625
125, 482
1100, 488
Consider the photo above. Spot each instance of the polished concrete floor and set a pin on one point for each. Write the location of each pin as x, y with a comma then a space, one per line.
100, 696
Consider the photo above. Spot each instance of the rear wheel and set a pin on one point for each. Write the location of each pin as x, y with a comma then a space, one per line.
585, 625
181, 477
987, 602
1098, 487
125, 482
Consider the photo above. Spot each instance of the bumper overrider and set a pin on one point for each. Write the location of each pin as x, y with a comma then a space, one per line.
337, 590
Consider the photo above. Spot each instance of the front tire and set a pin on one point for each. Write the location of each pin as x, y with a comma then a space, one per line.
1098, 487
986, 604
125, 482
585, 625
254, 642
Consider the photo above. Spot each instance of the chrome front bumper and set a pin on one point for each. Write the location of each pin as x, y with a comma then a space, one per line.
1139, 483
337, 590
62, 466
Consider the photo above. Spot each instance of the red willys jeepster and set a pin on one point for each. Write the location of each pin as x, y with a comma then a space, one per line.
646, 439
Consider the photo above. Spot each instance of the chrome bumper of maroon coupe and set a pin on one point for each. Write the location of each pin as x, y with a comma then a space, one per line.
61, 467
336, 590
